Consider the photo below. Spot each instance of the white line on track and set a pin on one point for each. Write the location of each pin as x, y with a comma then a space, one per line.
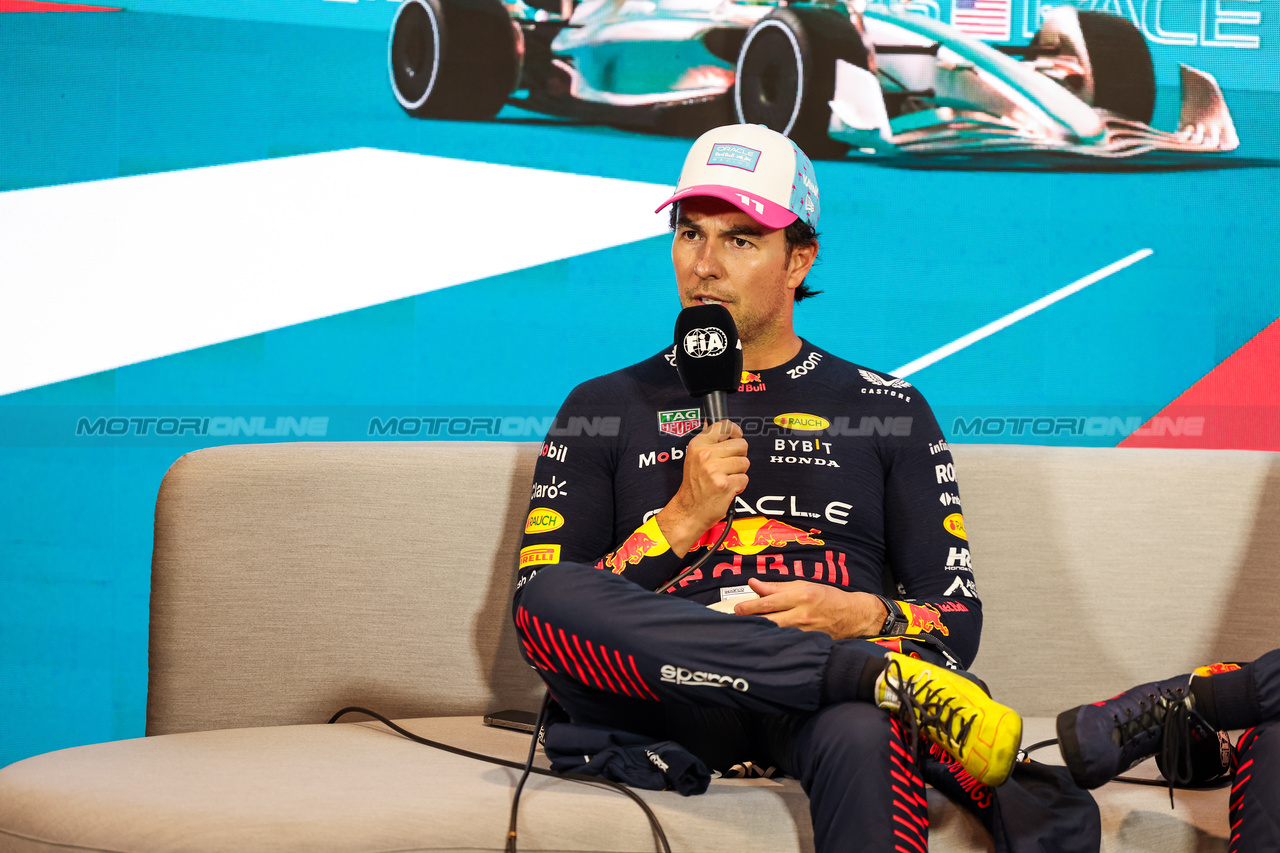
1021, 314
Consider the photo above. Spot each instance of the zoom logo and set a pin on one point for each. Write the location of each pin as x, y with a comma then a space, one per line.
680, 676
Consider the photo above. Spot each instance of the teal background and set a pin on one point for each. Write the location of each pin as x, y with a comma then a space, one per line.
911, 259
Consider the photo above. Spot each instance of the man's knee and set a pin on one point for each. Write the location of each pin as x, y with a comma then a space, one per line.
850, 732
551, 593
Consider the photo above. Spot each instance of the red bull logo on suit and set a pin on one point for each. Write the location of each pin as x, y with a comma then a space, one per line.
923, 618
646, 541
753, 535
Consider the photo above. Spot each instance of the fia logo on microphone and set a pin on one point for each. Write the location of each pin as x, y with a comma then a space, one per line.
709, 341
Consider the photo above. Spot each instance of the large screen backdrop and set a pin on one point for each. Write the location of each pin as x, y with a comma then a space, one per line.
218, 225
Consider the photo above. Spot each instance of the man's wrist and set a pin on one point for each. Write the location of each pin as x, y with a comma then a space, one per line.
895, 621
680, 531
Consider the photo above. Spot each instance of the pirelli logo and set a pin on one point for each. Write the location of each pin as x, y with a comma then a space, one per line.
538, 555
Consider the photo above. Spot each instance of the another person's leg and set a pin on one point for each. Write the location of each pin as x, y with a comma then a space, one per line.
1236, 697
1255, 791
1102, 740
1248, 698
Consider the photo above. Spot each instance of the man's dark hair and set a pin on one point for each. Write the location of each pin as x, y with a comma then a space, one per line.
798, 233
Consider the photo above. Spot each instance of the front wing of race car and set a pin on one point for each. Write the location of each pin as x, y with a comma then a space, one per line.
1021, 110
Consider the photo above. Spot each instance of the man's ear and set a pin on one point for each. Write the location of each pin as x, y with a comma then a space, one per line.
802, 258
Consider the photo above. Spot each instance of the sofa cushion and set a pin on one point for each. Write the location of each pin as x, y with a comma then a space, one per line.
359, 787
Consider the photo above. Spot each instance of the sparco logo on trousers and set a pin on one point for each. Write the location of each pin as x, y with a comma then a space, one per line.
688, 678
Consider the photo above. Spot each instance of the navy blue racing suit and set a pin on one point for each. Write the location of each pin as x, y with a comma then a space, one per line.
1248, 698
851, 485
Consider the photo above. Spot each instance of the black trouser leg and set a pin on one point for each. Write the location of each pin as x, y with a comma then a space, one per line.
865, 789
583, 627
1255, 791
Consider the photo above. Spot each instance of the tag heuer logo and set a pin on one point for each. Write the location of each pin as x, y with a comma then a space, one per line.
679, 422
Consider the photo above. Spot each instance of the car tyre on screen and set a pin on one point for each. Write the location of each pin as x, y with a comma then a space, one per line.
1124, 78
1115, 70
786, 74
453, 59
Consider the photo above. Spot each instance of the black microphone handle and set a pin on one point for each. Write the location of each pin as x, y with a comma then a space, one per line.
717, 407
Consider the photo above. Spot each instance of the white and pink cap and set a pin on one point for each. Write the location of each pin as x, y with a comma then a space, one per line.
757, 169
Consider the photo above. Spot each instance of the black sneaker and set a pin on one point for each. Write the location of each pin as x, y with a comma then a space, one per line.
1102, 740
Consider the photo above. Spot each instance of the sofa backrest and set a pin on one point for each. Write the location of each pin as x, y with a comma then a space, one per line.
1101, 568
290, 580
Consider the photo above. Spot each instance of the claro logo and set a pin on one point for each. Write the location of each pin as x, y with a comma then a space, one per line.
678, 675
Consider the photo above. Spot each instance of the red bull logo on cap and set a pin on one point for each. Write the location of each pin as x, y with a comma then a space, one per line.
753, 535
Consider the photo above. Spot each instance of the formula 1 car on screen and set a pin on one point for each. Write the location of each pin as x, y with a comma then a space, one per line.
836, 76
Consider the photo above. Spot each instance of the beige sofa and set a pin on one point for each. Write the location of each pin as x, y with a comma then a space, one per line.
290, 580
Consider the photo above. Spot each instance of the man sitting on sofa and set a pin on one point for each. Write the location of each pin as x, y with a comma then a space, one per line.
783, 676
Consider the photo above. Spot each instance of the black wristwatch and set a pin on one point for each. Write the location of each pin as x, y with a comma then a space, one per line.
895, 624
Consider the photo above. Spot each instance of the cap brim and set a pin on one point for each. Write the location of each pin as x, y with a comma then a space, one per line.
765, 212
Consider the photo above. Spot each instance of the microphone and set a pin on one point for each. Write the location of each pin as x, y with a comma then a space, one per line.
709, 356
709, 361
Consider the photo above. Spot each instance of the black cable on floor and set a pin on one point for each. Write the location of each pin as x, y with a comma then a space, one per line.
528, 766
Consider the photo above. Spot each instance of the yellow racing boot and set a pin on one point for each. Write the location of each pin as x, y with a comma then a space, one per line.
953, 712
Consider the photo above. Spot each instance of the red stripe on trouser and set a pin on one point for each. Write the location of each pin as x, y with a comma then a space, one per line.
568, 648
542, 641
1240, 786
582, 664
622, 667
914, 848
532, 651
551, 635
577, 645
910, 809
632, 660
604, 653
539, 641
535, 643
591, 651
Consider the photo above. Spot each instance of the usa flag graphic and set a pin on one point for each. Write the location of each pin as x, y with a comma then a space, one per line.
988, 20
